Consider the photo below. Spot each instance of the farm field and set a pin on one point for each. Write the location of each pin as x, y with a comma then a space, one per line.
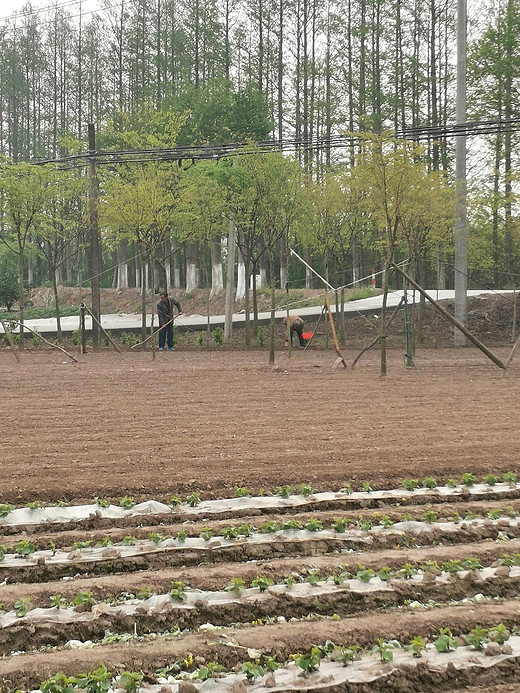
245, 512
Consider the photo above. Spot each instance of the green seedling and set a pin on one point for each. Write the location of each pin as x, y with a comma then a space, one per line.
193, 499
270, 663
468, 479
130, 681
385, 574
385, 521
206, 533
143, 593
491, 479
365, 486
244, 530
127, 502
314, 576
364, 574
102, 502
511, 512
292, 525
499, 634
3, 550
456, 518
408, 571
35, 505
228, 532
410, 484
417, 646
452, 483
241, 492
338, 578
509, 478
97, 681
471, 564
306, 490
262, 582
5, 509
348, 489
156, 537
236, 585
269, 526
22, 606
384, 650
430, 567
477, 637
58, 602
347, 655
178, 591
445, 642
181, 536
129, 540
106, 541
339, 524
175, 500
429, 516
289, 582
210, 671
24, 547
470, 515
494, 514
506, 560
454, 565
311, 661
59, 683
407, 517
78, 545
252, 670
313, 525
364, 524
84, 599
429, 482
283, 491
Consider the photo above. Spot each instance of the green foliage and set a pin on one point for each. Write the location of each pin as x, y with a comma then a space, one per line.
252, 670
8, 289
127, 502
490, 479
408, 571
468, 479
3, 550
59, 683
130, 681
311, 661
499, 634
175, 500
97, 681
454, 565
509, 478
417, 645
260, 336
156, 537
262, 582
410, 484
129, 540
339, 524
199, 339
429, 516
385, 573
57, 601
193, 499
210, 671
292, 524
84, 599
429, 482
24, 547
206, 533
366, 487
218, 336
306, 490
445, 641
178, 591
364, 574
181, 536
241, 492
5, 509
384, 650
236, 585
284, 491
269, 526
313, 576
78, 545
313, 525
477, 637
22, 606
102, 502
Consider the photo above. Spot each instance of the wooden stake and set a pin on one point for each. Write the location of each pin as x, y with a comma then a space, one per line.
334, 337
11, 341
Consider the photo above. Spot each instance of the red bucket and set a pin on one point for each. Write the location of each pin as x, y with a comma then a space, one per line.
307, 335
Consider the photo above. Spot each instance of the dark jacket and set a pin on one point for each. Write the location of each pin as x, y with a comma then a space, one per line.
165, 310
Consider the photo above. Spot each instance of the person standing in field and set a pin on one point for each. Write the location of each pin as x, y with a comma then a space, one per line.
165, 314
296, 325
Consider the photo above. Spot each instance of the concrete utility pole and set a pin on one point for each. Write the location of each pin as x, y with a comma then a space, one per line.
95, 246
461, 263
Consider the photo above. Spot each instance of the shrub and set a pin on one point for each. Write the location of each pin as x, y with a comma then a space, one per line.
218, 336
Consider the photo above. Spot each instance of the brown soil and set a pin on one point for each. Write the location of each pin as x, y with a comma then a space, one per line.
197, 421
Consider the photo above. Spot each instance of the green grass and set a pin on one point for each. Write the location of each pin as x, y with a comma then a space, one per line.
39, 313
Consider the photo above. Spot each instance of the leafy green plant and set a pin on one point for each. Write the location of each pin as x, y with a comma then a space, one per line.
193, 499
24, 547
260, 336
339, 524
384, 650
35, 505
289, 582
385, 573
210, 671
456, 518
417, 646
365, 486
468, 479
270, 663
306, 490
477, 637
59, 683
236, 585
262, 582
241, 492
429, 516
269, 526
106, 541
429, 482
490, 479
313, 525
156, 537
130, 681
386, 521
206, 533
181, 536
127, 502
228, 532
499, 634
310, 661
218, 336
452, 483
175, 500
509, 478
78, 545
97, 681
102, 502
364, 524
471, 564
84, 599
284, 491
3, 550
470, 515
454, 565
22, 606
445, 641
143, 593
410, 484
5, 509
313, 576
347, 655
178, 591
364, 574
292, 524
494, 514
244, 530
129, 540
199, 339
430, 567
58, 602
408, 571
252, 670
348, 489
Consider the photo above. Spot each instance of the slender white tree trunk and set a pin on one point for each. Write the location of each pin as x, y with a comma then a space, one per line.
217, 277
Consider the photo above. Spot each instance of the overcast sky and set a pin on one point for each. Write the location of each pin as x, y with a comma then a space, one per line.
9, 7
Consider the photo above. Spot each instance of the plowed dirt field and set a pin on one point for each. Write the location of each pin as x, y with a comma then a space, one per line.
218, 425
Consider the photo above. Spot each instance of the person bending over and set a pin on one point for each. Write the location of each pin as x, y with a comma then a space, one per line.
296, 325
